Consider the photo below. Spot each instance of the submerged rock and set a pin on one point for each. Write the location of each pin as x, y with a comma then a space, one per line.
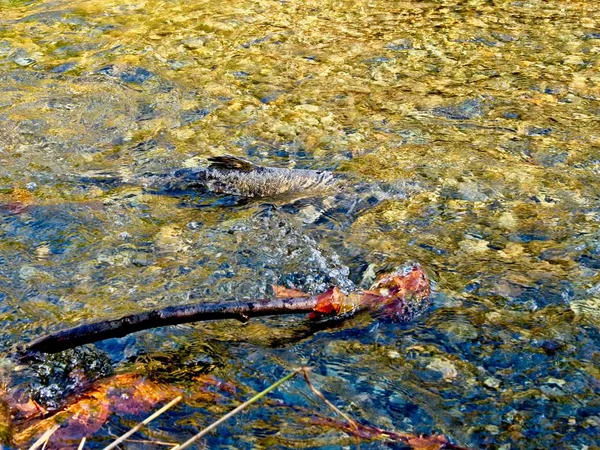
52, 377
133, 75
588, 307
446, 368
492, 382
469, 109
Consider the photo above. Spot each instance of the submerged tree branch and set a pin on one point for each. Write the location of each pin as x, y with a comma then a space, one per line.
400, 295
172, 315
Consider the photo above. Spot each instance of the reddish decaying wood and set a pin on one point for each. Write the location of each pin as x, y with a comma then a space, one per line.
370, 432
400, 295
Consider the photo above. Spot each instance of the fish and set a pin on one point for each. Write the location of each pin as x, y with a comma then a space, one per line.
229, 175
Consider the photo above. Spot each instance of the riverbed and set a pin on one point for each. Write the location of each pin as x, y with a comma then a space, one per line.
467, 138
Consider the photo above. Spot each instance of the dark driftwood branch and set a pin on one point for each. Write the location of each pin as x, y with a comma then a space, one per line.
400, 295
172, 315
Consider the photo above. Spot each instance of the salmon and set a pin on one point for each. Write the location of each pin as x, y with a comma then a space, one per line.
236, 176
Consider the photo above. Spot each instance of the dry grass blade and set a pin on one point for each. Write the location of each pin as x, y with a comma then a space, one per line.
144, 422
237, 410
41, 442
369, 432
151, 442
81, 444
351, 422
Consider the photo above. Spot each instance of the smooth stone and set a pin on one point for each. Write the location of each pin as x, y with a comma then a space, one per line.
400, 45
197, 42
459, 332
492, 382
62, 68
194, 115
307, 107
309, 214
588, 306
29, 273
24, 61
469, 109
445, 367
556, 381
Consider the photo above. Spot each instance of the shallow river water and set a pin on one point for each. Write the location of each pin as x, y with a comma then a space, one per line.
468, 138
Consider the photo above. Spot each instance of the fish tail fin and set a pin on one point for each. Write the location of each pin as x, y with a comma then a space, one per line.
108, 180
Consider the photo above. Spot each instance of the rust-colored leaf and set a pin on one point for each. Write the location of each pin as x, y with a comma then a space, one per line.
330, 302
412, 281
435, 442
121, 394
19, 200
400, 295
284, 292
27, 410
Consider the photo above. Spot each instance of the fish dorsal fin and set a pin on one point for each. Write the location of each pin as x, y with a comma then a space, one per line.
231, 163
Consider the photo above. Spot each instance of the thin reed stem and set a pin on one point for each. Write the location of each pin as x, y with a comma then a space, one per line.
237, 410
144, 422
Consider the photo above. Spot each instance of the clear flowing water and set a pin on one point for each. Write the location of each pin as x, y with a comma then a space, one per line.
468, 135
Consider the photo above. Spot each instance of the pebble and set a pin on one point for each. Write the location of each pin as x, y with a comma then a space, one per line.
309, 214
474, 245
394, 354
197, 42
470, 191
492, 382
492, 429
504, 37
588, 306
400, 44
42, 251
469, 109
556, 381
29, 273
5, 48
141, 260
507, 221
268, 98
558, 255
459, 332
136, 76
307, 107
24, 61
445, 367
194, 115
169, 239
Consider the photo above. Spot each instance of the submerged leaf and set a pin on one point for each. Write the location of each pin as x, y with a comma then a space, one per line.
19, 200
400, 295
330, 302
121, 394
284, 292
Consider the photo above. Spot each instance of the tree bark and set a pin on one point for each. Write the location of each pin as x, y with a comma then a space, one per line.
400, 295
172, 315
